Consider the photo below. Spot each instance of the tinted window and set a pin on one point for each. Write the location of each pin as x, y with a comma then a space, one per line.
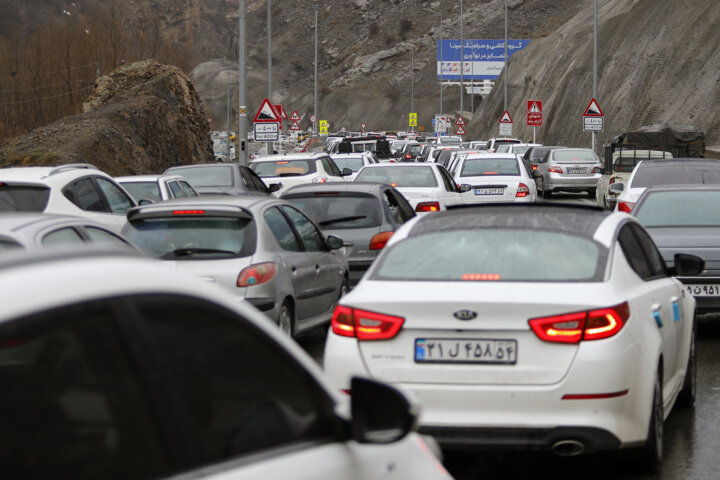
281, 229
651, 173
143, 190
654, 258
574, 156
493, 254
284, 168
23, 198
420, 176
63, 236
252, 181
448, 181
117, 199
478, 167
309, 234
340, 211
330, 166
634, 253
398, 214
189, 191
206, 176
353, 163
193, 237
85, 195
103, 237
176, 190
74, 404
242, 391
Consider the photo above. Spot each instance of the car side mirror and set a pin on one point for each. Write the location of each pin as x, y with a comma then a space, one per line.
346, 172
687, 265
274, 187
380, 412
617, 187
145, 201
334, 242
465, 187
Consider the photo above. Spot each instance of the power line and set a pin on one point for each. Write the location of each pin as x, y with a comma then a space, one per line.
32, 100
42, 87
49, 73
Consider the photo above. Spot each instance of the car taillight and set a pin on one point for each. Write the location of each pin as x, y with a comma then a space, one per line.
364, 325
319, 180
555, 170
522, 191
427, 207
533, 167
577, 326
378, 242
256, 274
188, 212
611, 181
408, 156
625, 206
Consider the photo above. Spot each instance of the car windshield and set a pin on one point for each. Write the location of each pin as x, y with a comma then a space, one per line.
478, 167
574, 156
420, 176
284, 168
353, 163
680, 209
494, 254
648, 175
193, 238
210, 176
143, 190
23, 198
341, 211
414, 150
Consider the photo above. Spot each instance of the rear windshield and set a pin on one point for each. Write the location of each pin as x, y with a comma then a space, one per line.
574, 156
625, 161
23, 198
211, 176
478, 167
648, 175
520, 150
353, 163
494, 254
143, 190
450, 141
419, 176
680, 209
284, 168
414, 150
341, 211
193, 238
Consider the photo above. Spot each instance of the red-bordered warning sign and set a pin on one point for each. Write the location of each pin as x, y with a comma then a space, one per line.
460, 121
505, 118
295, 117
534, 113
460, 130
266, 113
593, 110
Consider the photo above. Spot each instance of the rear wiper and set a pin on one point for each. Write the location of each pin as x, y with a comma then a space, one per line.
184, 252
325, 223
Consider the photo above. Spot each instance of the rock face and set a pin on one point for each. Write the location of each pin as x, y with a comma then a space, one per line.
141, 119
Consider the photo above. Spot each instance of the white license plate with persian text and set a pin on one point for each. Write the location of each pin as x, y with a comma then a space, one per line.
490, 191
466, 350
577, 170
703, 290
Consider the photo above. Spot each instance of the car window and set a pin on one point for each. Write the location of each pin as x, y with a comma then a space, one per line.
249, 180
654, 257
311, 237
687, 208
483, 167
143, 190
74, 401
447, 179
84, 194
647, 174
396, 213
634, 253
118, 200
353, 163
103, 237
242, 391
340, 211
399, 176
205, 176
62, 236
176, 190
284, 168
330, 167
23, 198
281, 229
573, 156
189, 191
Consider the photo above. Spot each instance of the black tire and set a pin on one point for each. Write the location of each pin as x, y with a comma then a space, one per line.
286, 320
649, 457
344, 288
686, 397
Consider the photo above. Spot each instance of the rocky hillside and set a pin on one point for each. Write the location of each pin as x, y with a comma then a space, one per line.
141, 119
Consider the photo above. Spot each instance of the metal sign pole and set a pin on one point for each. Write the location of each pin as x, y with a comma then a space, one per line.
242, 89
441, 60
316, 112
595, 54
462, 59
534, 135
269, 62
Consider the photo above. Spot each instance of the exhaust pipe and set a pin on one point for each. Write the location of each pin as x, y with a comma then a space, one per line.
568, 448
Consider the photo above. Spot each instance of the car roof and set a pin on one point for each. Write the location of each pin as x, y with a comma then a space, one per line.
143, 178
682, 187
44, 173
247, 202
680, 162
364, 187
14, 221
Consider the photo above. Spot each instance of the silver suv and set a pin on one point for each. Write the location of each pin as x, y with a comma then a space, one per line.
569, 169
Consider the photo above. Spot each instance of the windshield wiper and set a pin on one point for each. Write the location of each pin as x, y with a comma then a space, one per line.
325, 223
184, 252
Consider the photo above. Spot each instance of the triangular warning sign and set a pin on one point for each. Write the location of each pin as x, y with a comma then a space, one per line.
460, 121
460, 130
295, 116
266, 113
593, 110
283, 115
295, 125
534, 108
505, 118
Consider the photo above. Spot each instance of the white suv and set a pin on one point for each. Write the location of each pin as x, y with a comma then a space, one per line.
294, 169
73, 189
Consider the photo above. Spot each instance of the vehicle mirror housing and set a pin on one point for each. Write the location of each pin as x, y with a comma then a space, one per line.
617, 187
274, 187
346, 172
465, 187
380, 412
145, 201
334, 242
688, 265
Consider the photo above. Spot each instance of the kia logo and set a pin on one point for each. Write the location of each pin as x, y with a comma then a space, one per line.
465, 315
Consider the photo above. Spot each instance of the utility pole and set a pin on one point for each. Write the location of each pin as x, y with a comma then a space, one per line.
269, 63
506, 52
315, 109
462, 59
595, 55
227, 125
242, 88
412, 82
441, 60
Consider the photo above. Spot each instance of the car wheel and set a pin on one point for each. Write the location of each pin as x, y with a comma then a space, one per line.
686, 397
648, 458
285, 319
344, 288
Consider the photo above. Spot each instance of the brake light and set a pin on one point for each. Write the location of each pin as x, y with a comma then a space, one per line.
427, 207
188, 212
533, 167
379, 241
256, 274
555, 170
577, 326
522, 191
611, 181
408, 156
282, 163
625, 206
319, 180
364, 325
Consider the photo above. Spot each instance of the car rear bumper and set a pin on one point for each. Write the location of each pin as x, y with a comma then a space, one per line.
262, 304
556, 181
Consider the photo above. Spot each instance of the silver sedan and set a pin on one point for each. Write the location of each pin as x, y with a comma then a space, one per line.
569, 169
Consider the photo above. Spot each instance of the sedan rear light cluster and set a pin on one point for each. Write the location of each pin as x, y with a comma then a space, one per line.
364, 325
577, 326
379, 241
522, 191
626, 206
256, 274
427, 207
555, 170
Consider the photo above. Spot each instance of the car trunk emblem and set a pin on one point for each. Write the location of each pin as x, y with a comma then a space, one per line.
465, 315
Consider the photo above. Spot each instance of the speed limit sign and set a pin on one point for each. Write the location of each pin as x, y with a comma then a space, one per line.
313, 118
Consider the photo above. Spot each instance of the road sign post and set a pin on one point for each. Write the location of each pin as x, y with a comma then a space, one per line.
412, 120
506, 124
534, 115
266, 124
593, 119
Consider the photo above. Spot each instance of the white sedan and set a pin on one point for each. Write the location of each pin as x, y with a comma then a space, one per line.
427, 187
494, 177
541, 327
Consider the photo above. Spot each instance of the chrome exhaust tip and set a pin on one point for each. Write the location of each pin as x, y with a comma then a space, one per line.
568, 448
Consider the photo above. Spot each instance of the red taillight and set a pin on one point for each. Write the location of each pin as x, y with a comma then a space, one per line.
533, 167
188, 212
522, 191
379, 241
352, 322
625, 206
588, 325
555, 170
427, 207
408, 156
611, 181
594, 396
256, 274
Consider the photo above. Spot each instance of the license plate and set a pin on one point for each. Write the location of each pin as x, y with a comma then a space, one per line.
577, 170
467, 350
489, 191
703, 290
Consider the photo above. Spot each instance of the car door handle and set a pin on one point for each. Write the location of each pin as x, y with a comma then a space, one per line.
676, 308
656, 315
